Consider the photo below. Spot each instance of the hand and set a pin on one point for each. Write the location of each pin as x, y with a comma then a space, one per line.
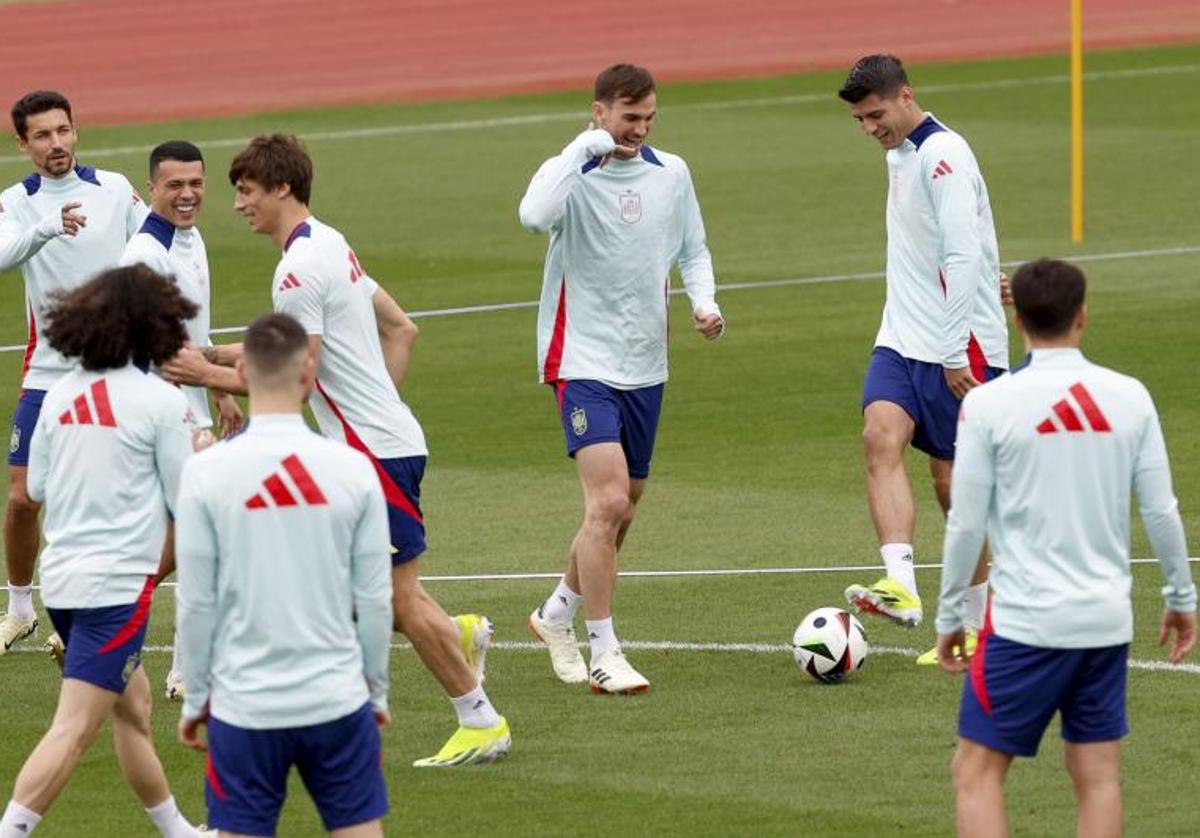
951, 651
202, 438
187, 367
382, 718
189, 731
72, 222
230, 415
1183, 623
960, 381
601, 144
1005, 290
712, 326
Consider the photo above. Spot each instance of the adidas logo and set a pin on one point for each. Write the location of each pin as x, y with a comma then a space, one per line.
943, 168
289, 282
279, 492
562, 599
478, 704
1064, 411
83, 413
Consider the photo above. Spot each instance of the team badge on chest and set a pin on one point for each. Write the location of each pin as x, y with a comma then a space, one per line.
631, 207
579, 421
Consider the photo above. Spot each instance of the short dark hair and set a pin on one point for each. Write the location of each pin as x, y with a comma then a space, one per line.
627, 82
1048, 293
881, 74
124, 314
179, 150
272, 341
38, 101
273, 160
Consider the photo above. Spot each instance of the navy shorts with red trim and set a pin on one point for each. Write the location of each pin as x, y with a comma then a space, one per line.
340, 763
1013, 691
592, 412
401, 479
29, 407
921, 389
104, 645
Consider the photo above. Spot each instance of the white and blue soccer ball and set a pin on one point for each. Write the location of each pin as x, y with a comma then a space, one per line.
830, 645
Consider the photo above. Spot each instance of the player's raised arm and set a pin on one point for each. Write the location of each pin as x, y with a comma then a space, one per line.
19, 242
545, 200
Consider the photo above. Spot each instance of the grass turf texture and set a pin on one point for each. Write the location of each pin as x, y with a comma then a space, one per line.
758, 462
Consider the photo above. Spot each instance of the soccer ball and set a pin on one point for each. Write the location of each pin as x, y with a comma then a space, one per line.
830, 645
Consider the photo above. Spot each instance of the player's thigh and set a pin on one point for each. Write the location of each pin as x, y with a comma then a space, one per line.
362, 830
590, 413
640, 412
340, 763
134, 705
974, 763
887, 428
1093, 710
604, 475
1093, 763
25, 417
82, 709
246, 777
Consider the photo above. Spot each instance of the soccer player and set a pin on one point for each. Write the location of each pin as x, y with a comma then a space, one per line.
106, 422
1046, 460
943, 329
61, 225
619, 214
169, 242
362, 341
284, 606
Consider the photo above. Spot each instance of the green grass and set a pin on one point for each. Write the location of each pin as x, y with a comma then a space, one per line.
758, 463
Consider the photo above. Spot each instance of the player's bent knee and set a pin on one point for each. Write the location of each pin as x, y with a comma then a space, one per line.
882, 442
610, 509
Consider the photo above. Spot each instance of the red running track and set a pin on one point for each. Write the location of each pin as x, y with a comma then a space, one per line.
140, 60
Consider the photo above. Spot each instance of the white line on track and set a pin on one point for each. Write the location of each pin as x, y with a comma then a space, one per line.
1180, 250
745, 648
575, 116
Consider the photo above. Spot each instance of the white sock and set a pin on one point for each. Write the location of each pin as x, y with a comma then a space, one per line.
898, 558
18, 821
475, 710
177, 657
977, 597
20, 601
601, 637
170, 821
561, 606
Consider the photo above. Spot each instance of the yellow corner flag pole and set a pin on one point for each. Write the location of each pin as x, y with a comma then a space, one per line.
1076, 121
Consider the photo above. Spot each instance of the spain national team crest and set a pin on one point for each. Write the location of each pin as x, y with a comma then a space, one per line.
579, 421
631, 207
14, 441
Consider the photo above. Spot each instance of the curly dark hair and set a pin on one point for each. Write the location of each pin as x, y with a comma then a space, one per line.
124, 314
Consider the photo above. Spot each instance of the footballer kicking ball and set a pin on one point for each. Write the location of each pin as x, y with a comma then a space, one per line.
830, 645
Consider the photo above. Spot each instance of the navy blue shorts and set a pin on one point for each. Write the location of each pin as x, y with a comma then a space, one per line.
340, 762
104, 645
29, 407
921, 389
592, 412
401, 480
1013, 691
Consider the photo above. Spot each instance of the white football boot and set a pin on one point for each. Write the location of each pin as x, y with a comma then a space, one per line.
14, 629
612, 674
564, 648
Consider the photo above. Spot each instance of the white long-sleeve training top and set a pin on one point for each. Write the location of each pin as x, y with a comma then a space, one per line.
321, 283
179, 253
284, 603
616, 228
31, 238
105, 458
943, 266
1045, 462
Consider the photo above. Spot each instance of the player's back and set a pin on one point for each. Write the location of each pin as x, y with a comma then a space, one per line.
1068, 439
283, 512
106, 456
320, 282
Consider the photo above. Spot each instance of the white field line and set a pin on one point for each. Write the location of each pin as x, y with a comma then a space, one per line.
1180, 250
576, 116
745, 648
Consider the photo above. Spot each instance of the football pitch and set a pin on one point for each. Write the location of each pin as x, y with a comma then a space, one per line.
758, 466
